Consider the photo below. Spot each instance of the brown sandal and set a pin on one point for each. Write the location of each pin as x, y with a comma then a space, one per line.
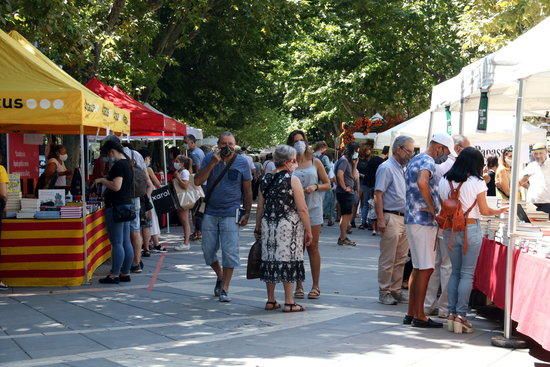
299, 294
314, 293
293, 307
272, 306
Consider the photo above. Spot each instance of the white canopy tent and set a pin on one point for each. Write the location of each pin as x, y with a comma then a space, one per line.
498, 136
499, 72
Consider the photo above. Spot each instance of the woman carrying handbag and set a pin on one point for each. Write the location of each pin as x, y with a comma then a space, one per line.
187, 194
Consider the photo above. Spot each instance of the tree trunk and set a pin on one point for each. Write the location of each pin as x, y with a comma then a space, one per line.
107, 29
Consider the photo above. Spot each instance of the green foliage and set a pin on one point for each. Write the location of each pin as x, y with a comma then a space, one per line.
487, 25
262, 68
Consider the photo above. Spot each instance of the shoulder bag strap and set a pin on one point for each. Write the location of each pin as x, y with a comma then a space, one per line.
218, 180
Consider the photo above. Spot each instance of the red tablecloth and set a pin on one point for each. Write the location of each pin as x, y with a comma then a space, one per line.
531, 288
490, 273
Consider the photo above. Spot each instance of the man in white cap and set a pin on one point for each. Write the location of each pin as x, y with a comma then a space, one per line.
536, 178
422, 204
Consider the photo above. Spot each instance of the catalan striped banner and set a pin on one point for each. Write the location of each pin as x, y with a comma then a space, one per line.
52, 252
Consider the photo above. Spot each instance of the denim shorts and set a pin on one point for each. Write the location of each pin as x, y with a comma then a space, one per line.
220, 232
135, 225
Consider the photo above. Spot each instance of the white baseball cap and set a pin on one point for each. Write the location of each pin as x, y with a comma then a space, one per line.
446, 140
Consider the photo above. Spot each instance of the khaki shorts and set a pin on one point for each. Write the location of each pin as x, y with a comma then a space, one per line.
422, 245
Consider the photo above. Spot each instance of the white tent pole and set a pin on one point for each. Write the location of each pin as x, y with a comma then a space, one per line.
430, 128
165, 179
461, 119
516, 161
84, 208
508, 341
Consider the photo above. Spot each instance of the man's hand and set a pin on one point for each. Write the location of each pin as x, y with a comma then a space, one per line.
216, 157
99, 181
258, 233
244, 220
381, 225
348, 189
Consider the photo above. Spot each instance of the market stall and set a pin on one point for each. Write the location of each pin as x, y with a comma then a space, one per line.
57, 242
513, 80
531, 279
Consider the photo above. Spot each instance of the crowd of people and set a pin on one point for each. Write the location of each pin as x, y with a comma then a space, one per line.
402, 196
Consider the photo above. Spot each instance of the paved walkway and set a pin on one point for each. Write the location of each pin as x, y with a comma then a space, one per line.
177, 322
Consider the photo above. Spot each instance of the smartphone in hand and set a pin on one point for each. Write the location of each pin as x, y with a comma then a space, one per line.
239, 213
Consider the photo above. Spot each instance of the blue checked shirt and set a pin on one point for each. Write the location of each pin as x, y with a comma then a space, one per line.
414, 200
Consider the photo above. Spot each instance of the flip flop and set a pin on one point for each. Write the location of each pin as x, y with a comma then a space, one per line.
315, 293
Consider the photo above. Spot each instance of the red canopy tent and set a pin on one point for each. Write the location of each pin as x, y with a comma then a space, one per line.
145, 122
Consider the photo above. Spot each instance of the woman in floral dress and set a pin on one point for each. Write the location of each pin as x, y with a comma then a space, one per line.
283, 225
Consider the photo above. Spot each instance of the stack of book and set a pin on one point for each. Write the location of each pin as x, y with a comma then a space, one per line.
13, 203
71, 212
47, 215
29, 207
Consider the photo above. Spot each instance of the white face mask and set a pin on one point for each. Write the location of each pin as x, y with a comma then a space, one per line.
508, 161
355, 155
300, 147
63, 157
177, 166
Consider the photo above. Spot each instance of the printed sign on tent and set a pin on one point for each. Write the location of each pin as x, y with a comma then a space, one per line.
23, 158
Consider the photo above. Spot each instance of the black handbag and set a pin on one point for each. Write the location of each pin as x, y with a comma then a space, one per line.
254, 264
123, 214
200, 206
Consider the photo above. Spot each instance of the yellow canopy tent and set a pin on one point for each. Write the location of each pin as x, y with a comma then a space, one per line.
38, 96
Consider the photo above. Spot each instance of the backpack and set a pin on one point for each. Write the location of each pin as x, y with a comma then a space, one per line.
140, 180
452, 217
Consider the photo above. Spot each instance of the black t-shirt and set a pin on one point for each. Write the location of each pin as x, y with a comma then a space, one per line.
362, 168
491, 186
370, 171
121, 168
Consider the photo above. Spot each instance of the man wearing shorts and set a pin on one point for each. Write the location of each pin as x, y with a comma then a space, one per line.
345, 181
422, 204
220, 226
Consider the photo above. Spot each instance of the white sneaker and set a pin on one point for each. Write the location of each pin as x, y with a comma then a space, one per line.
183, 247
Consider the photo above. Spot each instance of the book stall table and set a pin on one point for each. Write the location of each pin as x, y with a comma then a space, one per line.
60, 252
530, 281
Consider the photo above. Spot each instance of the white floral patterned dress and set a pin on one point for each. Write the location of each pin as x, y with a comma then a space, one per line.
282, 232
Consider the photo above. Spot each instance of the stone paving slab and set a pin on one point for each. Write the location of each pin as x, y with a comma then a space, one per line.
179, 323
58, 345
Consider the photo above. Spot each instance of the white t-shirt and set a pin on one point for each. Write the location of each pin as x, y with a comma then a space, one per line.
269, 167
539, 182
468, 193
137, 157
184, 175
250, 162
60, 168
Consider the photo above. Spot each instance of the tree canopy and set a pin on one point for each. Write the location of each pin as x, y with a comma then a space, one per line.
260, 68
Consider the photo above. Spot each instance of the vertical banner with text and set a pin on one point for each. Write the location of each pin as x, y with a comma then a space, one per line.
482, 113
449, 123
24, 158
